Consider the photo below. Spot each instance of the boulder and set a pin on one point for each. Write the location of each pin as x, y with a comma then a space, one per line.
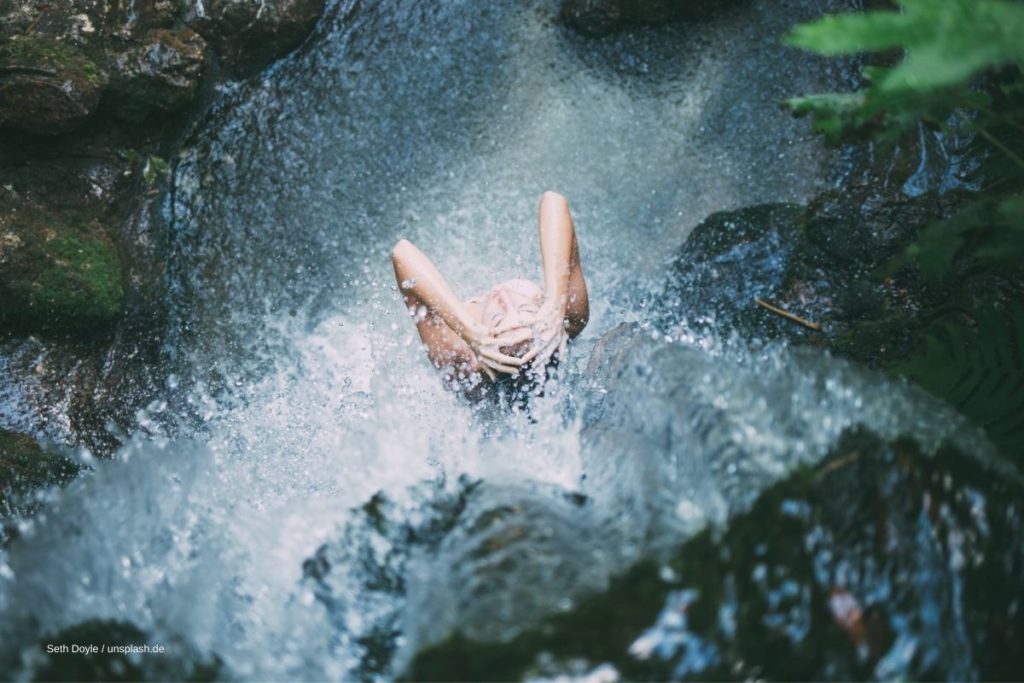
57, 273
881, 562
598, 18
162, 73
249, 35
820, 262
465, 559
24, 467
46, 86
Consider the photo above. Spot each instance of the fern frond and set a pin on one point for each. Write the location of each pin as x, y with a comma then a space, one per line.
978, 370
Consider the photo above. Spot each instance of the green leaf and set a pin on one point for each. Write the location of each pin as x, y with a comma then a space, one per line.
979, 370
945, 44
844, 34
993, 227
946, 41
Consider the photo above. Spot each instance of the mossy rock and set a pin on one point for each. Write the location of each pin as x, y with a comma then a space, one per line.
58, 274
24, 467
46, 86
881, 562
161, 74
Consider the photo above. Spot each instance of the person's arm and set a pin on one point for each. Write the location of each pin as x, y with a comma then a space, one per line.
450, 334
566, 306
565, 290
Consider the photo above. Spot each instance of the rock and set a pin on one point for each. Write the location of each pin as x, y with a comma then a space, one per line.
730, 259
83, 242
820, 262
58, 274
161, 74
46, 87
466, 560
24, 467
592, 17
151, 14
880, 562
598, 18
249, 35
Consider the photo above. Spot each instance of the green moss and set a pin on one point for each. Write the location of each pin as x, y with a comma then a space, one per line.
24, 466
58, 274
34, 52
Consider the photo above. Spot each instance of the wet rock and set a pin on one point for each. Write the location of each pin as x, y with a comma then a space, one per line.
160, 74
59, 273
83, 243
150, 14
731, 259
592, 17
820, 263
467, 560
46, 86
249, 35
879, 562
24, 467
601, 17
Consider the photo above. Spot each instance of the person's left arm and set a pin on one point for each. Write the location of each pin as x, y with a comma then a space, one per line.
566, 307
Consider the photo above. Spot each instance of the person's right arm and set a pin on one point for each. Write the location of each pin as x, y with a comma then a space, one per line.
451, 335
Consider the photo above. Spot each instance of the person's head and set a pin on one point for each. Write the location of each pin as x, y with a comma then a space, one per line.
512, 301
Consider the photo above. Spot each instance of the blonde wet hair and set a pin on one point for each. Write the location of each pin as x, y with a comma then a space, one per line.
508, 302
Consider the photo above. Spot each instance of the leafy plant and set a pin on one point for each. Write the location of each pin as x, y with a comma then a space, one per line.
980, 370
957, 65
949, 47
945, 43
153, 166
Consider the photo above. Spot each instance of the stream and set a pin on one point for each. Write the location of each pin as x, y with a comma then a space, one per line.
307, 502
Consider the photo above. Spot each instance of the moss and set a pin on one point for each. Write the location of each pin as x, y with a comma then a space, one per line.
59, 274
33, 52
24, 466
875, 342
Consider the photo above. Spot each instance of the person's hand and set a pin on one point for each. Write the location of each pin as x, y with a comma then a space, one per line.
547, 329
487, 345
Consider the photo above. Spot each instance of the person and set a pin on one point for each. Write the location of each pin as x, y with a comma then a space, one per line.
514, 327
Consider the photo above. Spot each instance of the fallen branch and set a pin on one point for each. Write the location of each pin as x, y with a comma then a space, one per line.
35, 21
786, 314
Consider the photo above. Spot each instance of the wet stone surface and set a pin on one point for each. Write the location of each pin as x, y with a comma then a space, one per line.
598, 18
46, 87
94, 97
60, 272
822, 262
879, 562
161, 74
25, 467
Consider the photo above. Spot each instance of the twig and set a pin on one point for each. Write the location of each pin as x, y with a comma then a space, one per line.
836, 464
786, 314
32, 26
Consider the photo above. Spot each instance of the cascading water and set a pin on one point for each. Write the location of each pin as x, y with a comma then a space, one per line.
298, 391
